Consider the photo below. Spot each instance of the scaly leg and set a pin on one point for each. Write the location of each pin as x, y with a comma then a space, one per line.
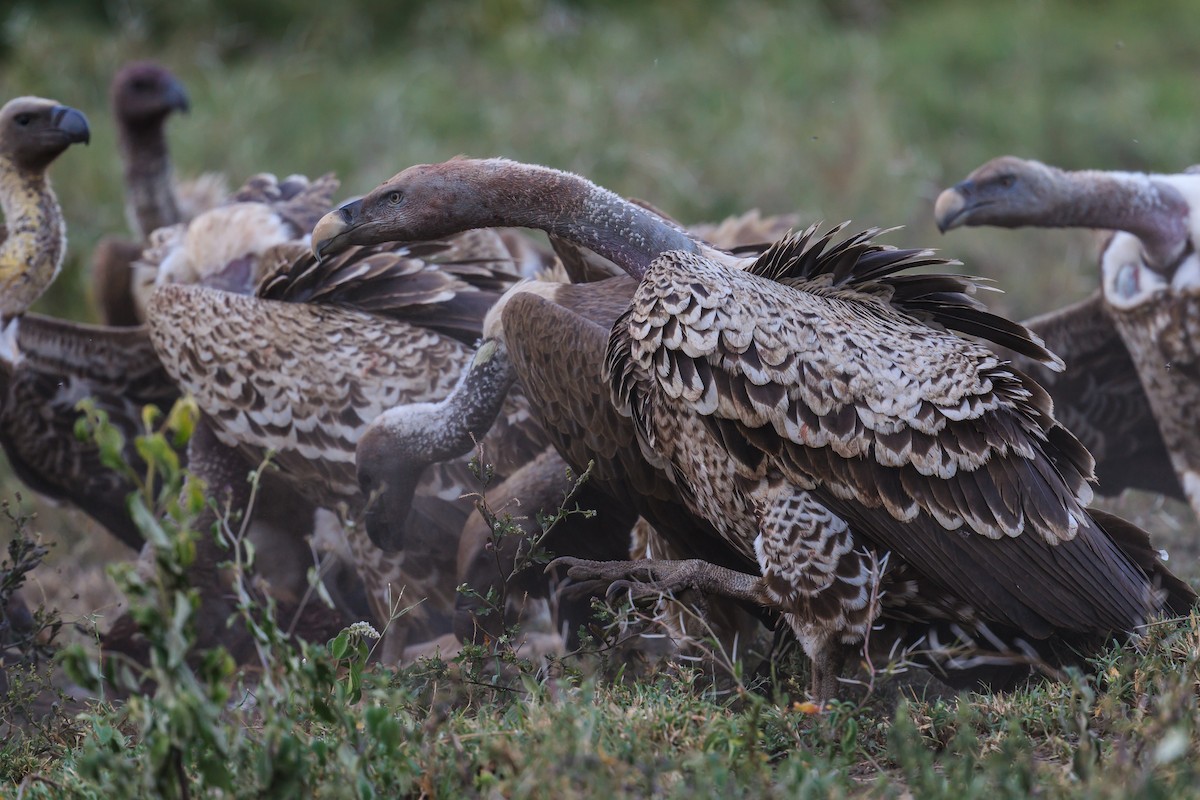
651, 578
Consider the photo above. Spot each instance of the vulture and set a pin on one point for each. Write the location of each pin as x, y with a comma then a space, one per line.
142, 96
33, 133
818, 407
59, 363
64, 362
293, 357
1132, 390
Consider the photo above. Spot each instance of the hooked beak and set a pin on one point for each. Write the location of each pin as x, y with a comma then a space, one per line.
177, 97
951, 207
72, 123
387, 512
330, 232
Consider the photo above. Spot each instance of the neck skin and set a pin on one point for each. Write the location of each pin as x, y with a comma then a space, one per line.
506, 194
1153, 211
149, 191
402, 442
32, 252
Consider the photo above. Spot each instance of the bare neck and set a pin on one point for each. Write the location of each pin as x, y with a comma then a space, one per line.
149, 190
508, 194
1151, 210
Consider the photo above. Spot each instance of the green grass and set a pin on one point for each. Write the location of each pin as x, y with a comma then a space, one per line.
858, 110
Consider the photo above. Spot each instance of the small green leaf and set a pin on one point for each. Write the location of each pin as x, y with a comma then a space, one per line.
339, 645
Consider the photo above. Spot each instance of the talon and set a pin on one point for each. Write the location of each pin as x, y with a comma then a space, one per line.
616, 587
569, 562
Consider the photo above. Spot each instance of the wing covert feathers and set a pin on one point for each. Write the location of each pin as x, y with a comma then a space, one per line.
823, 367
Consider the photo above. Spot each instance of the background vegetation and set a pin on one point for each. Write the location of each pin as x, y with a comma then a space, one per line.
862, 109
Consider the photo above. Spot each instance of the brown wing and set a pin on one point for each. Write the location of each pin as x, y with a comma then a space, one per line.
1100, 398
65, 362
923, 441
446, 286
557, 349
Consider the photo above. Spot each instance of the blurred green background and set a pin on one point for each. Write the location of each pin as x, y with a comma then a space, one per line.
858, 110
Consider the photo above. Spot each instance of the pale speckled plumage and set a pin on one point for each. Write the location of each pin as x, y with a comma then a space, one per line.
1150, 282
834, 395
305, 378
828, 368
33, 132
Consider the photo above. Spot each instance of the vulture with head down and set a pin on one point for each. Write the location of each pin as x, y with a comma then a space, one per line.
293, 357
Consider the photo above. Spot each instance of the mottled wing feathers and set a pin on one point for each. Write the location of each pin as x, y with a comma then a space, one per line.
927, 443
298, 379
1100, 398
63, 363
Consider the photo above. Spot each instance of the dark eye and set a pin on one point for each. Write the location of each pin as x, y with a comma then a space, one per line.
1007, 181
394, 198
23, 119
143, 84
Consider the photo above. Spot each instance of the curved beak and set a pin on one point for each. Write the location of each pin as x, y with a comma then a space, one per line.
177, 97
330, 232
71, 122
950, 207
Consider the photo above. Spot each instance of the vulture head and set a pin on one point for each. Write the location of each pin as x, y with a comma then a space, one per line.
1006, 191
390, 456
144, 93
35, 131
426, 201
